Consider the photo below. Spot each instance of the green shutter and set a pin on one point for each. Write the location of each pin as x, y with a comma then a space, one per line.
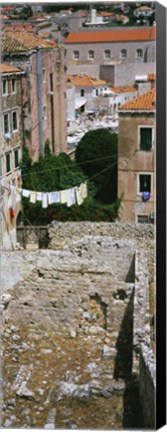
145, 139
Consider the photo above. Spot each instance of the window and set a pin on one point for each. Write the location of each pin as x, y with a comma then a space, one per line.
97, 92
142, 219
44, 113
6, 128
4, 87
44, 75
51, 82
16, 158
76, 55
107, 54
91, 54
82, 92
139, 53
13, 85
14, 121
8, 167
146, 138
123, 53
144, 183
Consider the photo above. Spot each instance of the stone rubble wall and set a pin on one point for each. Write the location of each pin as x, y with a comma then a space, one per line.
147, 374
143, 356
63, 233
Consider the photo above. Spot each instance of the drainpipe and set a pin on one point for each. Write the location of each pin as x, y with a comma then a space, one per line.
39, 101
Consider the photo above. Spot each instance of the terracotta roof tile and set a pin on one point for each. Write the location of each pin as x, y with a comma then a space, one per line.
105, 14
5, 68
151, 77
18, 27
142, 34
144, 8
4, 17
123, 89
144, 102
84, 81
20, 41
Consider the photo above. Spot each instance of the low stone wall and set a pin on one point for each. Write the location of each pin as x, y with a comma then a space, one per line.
147, 385
63, 233
143, 357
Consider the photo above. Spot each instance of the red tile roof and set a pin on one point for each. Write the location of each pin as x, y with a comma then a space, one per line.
123, 89
4, 17
26, 27
5, 68
142, 34
7, 8
21, 41
144, 102
105, 14
84, 81
151, 77
144, 8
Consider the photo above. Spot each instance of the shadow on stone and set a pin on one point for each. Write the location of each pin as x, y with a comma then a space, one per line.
130, 277
124, 344
132, 415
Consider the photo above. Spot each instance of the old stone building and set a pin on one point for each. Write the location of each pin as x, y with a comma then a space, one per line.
85, 49
11, 149
136, 159
44, 99
86, 92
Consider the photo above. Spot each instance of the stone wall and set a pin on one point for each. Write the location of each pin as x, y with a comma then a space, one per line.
63, 233
147, 371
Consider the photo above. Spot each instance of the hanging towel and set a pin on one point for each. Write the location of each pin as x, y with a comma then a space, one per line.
32, 197
13, 193
53, 197
84, 191
25, 193
39, 196
9, 201
63, 196
79, 198
45, 200
71, 197
18, 197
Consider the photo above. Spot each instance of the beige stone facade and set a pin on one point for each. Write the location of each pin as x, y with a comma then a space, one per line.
135, 166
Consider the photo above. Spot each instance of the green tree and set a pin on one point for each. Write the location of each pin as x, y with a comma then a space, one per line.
97, 154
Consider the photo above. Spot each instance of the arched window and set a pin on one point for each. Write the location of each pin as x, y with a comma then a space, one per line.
107, 54
91, 54
123, 53
139, 53
76, 55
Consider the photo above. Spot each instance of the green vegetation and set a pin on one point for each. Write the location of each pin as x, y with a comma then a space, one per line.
97, 154
55, 173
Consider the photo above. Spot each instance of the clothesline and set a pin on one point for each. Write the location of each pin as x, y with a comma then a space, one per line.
70, 196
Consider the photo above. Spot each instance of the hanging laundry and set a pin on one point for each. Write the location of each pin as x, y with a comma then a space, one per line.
45, 200
84, 191
18, 197
39, 196
63, 196
33, 197
25, 193
13, 193
11, 211
53, 197
79, 197
9, 201
145, 196
71, 197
